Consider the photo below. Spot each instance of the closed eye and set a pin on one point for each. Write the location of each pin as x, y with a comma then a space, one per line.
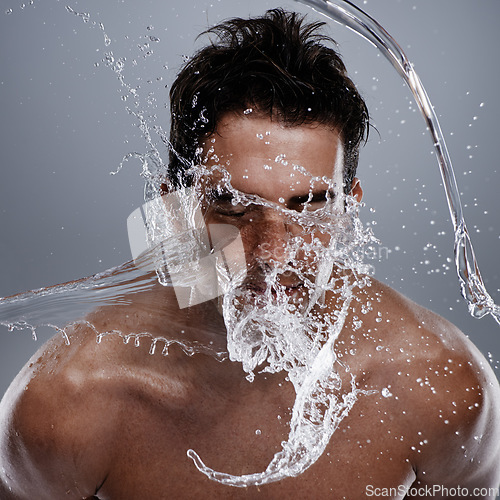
312, 200
231, 210
223, 204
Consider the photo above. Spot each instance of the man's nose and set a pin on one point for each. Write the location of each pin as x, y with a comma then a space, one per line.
268, 237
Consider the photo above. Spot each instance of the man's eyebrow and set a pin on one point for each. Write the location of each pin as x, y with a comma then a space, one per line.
226, 196
312, 197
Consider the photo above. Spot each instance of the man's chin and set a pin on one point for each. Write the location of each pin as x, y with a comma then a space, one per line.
291, 298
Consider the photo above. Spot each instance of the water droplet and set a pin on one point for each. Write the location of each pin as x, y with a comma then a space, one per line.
386, 392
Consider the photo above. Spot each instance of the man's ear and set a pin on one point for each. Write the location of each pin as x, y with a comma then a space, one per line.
356, 190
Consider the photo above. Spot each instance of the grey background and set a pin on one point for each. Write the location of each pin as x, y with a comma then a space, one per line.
64, 127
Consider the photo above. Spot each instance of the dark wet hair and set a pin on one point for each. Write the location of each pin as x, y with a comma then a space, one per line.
277, 65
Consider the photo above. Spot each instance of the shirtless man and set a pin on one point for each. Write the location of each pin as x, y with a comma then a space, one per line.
111, 421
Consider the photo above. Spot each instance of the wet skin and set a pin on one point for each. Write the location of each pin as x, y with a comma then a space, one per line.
114, 421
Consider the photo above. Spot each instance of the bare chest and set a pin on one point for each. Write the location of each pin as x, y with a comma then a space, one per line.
151, 458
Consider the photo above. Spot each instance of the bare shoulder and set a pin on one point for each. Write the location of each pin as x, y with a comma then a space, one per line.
449, 390
55, 424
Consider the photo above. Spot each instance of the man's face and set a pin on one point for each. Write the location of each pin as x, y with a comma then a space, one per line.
271, 181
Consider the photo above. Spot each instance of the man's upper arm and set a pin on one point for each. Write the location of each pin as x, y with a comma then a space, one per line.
464, 417
19, 477
48, 446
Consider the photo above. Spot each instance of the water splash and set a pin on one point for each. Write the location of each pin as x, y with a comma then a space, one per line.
479, 301
84, 299
269, 333
319, 407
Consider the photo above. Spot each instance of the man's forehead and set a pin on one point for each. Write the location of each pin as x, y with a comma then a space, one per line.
259, 154
223, 180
